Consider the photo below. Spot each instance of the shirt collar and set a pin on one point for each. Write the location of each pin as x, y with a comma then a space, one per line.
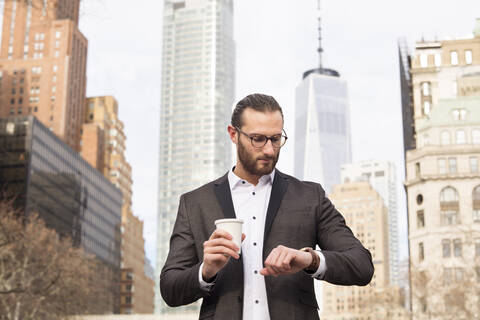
234, 180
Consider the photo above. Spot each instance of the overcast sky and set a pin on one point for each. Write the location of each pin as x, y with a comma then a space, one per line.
275, 43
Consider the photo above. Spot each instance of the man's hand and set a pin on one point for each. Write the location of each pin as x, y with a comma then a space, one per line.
283, 260
217, 250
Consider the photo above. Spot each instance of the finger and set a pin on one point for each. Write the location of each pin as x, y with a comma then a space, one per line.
221, 242
271, 257
221, 250
268, 271
243, 236
219, 233
287, 261
279, 261
209, 258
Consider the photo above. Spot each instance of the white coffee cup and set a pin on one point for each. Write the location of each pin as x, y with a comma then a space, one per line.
234, 227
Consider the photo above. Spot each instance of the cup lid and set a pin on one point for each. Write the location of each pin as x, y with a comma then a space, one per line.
228, 220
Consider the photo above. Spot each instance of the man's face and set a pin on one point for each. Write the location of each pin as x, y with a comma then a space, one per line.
259, 161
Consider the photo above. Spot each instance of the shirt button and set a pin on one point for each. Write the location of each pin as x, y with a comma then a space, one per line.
254, 218
253, 193
243, 182
254, 243
256, 301
255, 271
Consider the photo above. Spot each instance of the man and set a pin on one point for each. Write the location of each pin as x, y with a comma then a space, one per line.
272, 278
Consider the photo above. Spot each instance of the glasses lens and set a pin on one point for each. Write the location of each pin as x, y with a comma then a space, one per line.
258, 141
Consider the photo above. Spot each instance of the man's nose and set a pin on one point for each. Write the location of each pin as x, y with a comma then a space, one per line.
268, 148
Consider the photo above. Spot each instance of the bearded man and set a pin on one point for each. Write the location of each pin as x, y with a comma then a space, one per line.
284, 220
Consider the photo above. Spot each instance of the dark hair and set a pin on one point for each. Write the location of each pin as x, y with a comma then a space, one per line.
258, 102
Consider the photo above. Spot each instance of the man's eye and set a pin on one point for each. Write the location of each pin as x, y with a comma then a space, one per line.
258, 138
276, 138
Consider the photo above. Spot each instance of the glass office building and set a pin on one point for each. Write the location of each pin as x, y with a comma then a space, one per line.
47, 177
322, 127
198, 72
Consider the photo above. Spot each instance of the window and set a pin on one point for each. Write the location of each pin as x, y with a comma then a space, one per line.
449, 206
57, 54
476, 204
442, 166
438, 59
420, 219
423, 60
473, 164
457, 247
55, 68
445, 138
419, 199
452, 165
426, 140
477, 247
455, 87
476, 136
421, 252
460, 137
426, 88
458, 274
446, 252
468, 57
454, 58
426, 108
417, 170
58, 34
447, 276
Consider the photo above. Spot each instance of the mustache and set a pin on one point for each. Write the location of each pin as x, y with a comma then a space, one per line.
266, 158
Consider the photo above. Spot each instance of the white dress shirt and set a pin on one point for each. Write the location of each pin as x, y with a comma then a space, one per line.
251, 203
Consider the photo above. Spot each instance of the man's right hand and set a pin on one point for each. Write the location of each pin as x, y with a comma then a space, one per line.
216, 252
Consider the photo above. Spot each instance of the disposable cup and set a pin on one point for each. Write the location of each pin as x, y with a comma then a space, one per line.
234, 227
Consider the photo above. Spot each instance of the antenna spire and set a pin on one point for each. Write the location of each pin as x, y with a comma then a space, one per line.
320, 49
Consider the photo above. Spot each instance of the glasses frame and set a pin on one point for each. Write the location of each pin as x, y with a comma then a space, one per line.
284, 135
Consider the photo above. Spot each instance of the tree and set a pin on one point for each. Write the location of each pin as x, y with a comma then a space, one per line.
43, 276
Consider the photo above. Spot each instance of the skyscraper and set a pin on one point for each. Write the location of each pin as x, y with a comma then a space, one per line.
197, 97
366, 214
382, 177
442, 181
103, 142
322, 125
43, 65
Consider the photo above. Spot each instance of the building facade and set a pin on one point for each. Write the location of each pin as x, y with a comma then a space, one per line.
197, 96
382, 177
442, 178
43, 65
103, 146
322, 127
49, 178
366, 214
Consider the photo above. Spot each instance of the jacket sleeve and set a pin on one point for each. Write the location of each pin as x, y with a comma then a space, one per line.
179, 283
348, 261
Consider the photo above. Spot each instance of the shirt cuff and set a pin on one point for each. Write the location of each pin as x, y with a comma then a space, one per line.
203, 284
320, 273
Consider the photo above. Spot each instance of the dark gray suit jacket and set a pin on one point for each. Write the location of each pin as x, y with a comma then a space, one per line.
299, 215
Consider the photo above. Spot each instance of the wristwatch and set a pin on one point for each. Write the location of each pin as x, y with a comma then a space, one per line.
313, 267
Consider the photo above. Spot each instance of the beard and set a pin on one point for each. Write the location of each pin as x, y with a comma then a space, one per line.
250, 163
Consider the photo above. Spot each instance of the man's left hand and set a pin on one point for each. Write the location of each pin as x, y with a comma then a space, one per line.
283, 260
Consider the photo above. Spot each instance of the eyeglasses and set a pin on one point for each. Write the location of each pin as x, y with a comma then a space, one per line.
260, 140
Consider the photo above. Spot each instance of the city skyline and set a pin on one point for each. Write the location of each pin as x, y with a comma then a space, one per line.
289, 51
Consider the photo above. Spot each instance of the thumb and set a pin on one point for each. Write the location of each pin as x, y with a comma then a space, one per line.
243, 236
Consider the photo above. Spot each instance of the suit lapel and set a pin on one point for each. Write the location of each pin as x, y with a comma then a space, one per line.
279, 187
224, 196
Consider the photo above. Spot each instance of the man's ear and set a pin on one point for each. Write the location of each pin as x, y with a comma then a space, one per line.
233, 133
